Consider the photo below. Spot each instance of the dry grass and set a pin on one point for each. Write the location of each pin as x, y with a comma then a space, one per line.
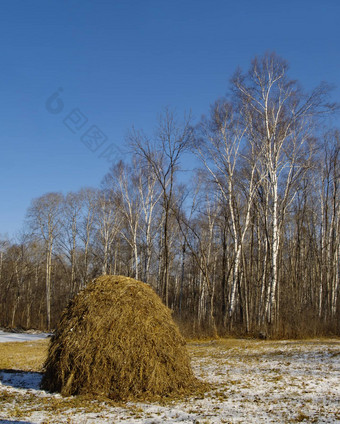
117, 339
24, 356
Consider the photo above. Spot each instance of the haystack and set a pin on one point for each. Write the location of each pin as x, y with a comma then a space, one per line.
117, 339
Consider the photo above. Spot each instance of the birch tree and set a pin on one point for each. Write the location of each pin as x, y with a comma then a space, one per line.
107, 224
281, 119
71, 214
122, 183
222, 151
162, 154
86, 229
330, 225
44, 220
150, 195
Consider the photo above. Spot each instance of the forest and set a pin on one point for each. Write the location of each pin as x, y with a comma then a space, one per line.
234, 219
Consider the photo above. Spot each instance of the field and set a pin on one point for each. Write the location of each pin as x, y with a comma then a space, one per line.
251, 382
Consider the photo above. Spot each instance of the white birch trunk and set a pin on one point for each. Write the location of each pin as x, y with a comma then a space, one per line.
275, 256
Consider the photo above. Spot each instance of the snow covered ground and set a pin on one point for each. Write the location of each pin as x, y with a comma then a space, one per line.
21, 337
251, 382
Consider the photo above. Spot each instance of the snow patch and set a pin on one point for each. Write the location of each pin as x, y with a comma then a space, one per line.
21, 337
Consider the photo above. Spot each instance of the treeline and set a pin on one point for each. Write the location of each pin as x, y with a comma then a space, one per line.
251, 245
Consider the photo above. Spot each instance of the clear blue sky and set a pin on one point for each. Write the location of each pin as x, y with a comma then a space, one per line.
118, 63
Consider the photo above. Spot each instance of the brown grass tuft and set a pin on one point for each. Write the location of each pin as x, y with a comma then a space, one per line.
117, 339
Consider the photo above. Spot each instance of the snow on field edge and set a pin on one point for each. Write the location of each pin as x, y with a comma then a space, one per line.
6, 337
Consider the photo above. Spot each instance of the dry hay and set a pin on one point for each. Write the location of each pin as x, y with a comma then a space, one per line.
117, 339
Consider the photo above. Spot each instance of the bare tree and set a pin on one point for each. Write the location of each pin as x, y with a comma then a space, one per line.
86, 230
4, 244
71, 213
329, 187
149, 195
222, 152
107, 224
44, 220
162, 155
280, 119
121, 183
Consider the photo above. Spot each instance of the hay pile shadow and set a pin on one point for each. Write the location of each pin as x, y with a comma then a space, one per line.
117, 339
